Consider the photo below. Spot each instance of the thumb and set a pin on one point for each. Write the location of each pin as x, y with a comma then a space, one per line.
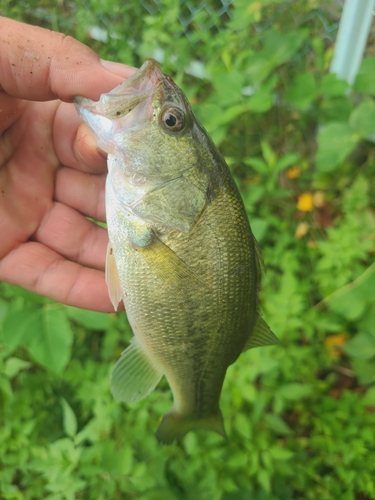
40, 65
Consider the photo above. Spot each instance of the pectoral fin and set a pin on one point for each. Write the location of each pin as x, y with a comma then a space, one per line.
112, 278
134, 376
176, 204
261, 335
167, 265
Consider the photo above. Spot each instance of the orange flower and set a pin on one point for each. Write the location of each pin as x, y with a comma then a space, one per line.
293, 172
332, 343
305, 202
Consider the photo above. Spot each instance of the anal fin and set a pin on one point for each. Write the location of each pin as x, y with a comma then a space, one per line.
261, 335
134, 376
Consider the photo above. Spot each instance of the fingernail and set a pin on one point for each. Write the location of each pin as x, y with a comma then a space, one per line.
118, 68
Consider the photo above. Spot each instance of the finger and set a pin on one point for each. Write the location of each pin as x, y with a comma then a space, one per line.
81, 191
10, 110
118, 68
38, 64
70, 234
75, 144
43, 271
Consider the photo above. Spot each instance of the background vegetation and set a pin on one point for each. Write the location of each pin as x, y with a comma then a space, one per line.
300, 419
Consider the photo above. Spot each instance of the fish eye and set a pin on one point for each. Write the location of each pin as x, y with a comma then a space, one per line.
173, 119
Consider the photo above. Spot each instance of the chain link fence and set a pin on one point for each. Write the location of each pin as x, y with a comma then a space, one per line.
218, 12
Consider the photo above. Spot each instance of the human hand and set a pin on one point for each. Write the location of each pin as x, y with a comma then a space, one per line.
52, 174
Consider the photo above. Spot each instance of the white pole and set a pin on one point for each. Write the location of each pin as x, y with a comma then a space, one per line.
351, 38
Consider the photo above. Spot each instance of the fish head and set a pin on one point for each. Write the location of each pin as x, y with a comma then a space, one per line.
157, 149
147, 121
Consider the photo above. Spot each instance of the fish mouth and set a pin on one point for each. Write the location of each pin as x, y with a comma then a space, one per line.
129, 105
125, 97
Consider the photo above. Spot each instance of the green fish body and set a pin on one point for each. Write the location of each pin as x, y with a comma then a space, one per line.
181, 256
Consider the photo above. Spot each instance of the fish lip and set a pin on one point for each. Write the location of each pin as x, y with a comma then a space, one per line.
132, 91
146, 76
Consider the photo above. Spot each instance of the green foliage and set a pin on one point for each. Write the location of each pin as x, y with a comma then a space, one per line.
337, 140
300, 419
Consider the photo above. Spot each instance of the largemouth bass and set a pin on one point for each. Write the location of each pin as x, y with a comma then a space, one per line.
181, 255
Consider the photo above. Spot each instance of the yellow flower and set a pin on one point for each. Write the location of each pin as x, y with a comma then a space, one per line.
318, 199
305, 202
302, 230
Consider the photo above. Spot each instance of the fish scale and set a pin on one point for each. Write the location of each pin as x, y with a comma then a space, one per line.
182, 255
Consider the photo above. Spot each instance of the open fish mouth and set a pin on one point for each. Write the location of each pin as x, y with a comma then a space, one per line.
123, 99
129, 107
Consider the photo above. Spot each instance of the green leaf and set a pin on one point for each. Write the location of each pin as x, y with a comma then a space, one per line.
361, 346
294, 391
349, 305
90, 319
14, 365
362, 119
352, 300
5, 387
257, 164
49, 337
335, 109
264, 479
364, 370
286, 161
277, 424
268, 153
3, 311
259, 228
303, 91
280, 47
228, 87
242, 424
367, 322
15, 328
157, 494
17, 291
365, 80
369, 398
69, 419
335, 142
262, 100
280, 453
331, 86
244, 14
258, 68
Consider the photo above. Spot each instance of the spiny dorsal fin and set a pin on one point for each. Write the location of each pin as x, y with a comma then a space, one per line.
261, 335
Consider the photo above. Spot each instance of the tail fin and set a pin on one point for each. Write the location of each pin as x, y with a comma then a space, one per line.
174, 426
